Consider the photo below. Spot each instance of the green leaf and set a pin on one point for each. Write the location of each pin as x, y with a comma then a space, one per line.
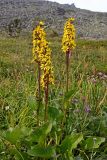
46, 128
69, 94
32, 102
17, 154
13, 135
93, 142
53, 113
70, 142
42, 152
26, 131
40, 133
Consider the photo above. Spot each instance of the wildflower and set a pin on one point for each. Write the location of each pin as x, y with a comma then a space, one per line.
38, 38
87, 109
68, 40
68, 44
41, 23
93, 80
42, 55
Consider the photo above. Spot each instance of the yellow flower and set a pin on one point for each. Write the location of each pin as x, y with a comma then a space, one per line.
68, 40
42, 54
41, 23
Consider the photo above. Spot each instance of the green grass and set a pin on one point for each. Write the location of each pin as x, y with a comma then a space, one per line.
87, 85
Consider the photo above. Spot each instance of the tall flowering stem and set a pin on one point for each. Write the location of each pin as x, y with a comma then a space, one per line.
42, 55
38, 34
68, 44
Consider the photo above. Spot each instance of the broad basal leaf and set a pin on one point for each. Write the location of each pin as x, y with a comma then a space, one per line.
53, 113
43, 152
41, 132
13, 135
70, 142
93, 142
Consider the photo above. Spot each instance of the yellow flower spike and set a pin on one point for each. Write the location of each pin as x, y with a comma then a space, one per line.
42, 54
68, 40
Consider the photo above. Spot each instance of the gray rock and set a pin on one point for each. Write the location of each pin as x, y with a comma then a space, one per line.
88, 24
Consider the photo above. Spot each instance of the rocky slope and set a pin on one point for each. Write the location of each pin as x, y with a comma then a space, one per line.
89, 24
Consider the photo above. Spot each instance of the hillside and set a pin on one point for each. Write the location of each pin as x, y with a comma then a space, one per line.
89, 24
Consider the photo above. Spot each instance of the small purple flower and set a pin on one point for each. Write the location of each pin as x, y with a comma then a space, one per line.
93, 80
87, 109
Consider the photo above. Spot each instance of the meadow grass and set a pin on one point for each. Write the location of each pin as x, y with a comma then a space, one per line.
88, 76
